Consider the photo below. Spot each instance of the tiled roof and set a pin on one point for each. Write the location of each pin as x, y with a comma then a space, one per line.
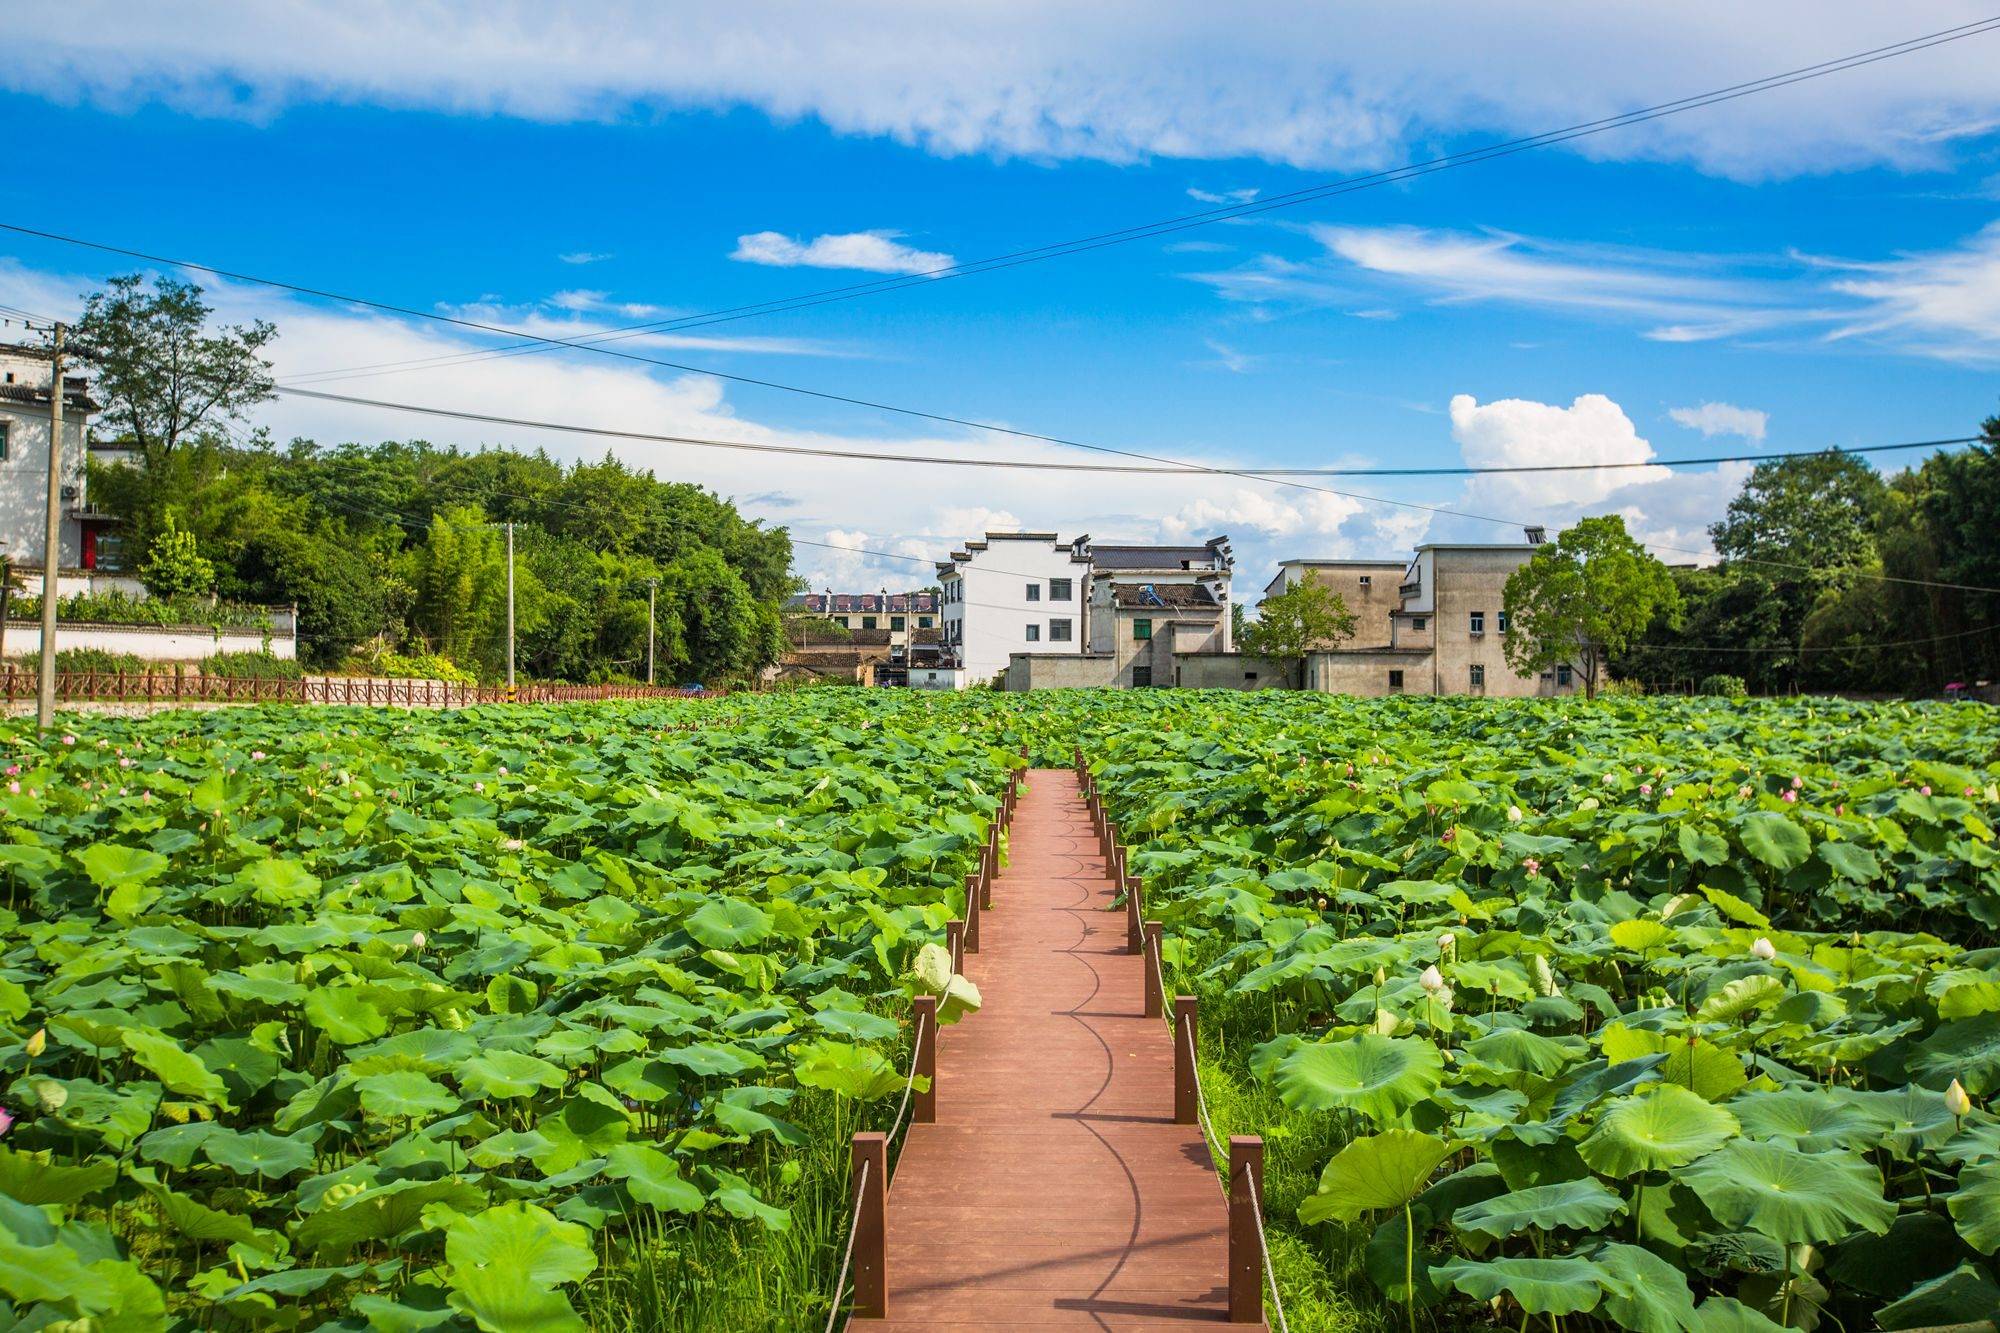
1150, 557
850, 603
1163, 596
74, 398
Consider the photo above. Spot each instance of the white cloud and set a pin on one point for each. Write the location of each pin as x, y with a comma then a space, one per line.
583, 257
1238, 196
1229, 359
872, 251
1944, 304
1713, 419
1291, 82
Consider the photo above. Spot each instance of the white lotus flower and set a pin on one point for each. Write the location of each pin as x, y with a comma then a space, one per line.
417, 940
1763, 950
1432, 980
1513, 814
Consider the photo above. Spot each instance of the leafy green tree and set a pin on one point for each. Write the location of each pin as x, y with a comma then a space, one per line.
175, 567
1304, 618
1584, 596
163, 374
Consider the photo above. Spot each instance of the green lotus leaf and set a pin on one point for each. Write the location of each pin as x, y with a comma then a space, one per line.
1703, 845
1851, 862
52, 1273
1523, 1051
345, 1014
1791, 1196
1774, 840
1910, 1119
503, 1075
509, 994
280, 882
1809, 1118
710, 1059
729, 923
505, 1267
1975, 1206
1665, 1126
856, 1024
857, 1072
1381, 1077
176, 1069
653, 1178
1739, 997
1722, 1314
1385, 1170
1654, 1296
1967, 1050
257, 1153
1585, 1205
1540, 1286
1703, 1068
33, 1178
1963, 1296
1642, 935
112, 866
404, 1094
380, 1213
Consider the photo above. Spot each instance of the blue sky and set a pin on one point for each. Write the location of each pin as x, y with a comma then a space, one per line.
1819, 265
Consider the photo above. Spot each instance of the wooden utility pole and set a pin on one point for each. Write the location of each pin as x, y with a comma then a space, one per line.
652, 598
45, 711
510, 610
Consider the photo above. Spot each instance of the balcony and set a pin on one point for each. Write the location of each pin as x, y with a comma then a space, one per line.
1410, 590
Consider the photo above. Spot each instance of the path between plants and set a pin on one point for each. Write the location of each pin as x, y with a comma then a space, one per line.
1055, 1190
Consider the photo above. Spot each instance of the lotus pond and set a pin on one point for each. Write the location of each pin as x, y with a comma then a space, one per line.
1657, 1014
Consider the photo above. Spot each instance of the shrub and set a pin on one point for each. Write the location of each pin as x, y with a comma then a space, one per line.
175, 567
79, 660
1630, 689
117, 608
252, 666
1729, 687
420, 666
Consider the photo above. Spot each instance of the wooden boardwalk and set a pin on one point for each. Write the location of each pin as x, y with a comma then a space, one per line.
1055, 1189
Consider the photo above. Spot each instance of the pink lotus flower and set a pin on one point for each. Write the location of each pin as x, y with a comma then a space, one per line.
1645, 789
14, 788
503, 770
12, 769
6, 1121
1840, 810
124, 763
479, 786
1532, 866
256, 754
1744, 791
1924, 791
1798, 782
1448, 833
68, 739
1791, 796
1668, 792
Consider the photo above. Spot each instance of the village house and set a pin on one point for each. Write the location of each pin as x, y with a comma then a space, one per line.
90, 556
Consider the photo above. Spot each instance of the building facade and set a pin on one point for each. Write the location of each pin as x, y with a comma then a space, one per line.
88, 540
1369, 587
1012, 592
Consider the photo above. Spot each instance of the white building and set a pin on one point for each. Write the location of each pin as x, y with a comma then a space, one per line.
1014, 592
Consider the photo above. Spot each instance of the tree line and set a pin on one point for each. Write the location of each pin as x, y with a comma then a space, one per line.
400, 547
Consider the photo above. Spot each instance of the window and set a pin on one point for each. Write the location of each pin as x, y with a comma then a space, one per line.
1142, 678
1395, 680
1142, 629
1367, 581
1250, 678
1478, 676
1060, 590
1417, 623
3, 434
923, 622
1034, 634
1562, 674
1478, 625
1059, 631
868, 622
897, 622
1034, 592
1503, 622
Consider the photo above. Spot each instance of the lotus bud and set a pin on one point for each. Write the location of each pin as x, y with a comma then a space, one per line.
1545, 976
1955, 1100
38, 1043
1763, 950
1322, 904
1448, 947
417, 940
1432, 980
1513, 814
1380, 976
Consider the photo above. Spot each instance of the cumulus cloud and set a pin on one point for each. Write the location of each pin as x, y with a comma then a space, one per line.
1713, 419
871, 251
1287, 82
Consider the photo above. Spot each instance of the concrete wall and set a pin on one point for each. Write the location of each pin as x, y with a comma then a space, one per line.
1468, 580
1058, 671
24, 482
184, 643
1366, 672
1232, 671
1369, 587
938, 678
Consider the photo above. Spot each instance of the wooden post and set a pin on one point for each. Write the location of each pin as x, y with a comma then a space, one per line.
972, 896
954, 944
1246, 1258
1185, 1042
1155, 964
1134, 886
871, 1224
924, 1015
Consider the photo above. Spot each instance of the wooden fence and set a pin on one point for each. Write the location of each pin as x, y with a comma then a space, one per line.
182, 688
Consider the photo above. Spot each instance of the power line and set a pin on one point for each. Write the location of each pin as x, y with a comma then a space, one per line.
1033, 465
1212, 216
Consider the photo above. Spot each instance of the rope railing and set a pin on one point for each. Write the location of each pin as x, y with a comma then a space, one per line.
1264, 1248
847, 1259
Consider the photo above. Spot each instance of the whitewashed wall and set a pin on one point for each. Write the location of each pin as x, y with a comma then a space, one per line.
185, 643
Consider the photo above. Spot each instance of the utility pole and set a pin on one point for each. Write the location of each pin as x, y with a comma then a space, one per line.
45, 713
510, 610
652, 597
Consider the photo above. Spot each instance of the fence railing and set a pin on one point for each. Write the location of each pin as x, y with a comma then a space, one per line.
169, 688
870, 1174
1249, 1264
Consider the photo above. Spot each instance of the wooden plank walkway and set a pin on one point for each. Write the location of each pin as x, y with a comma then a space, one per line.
1055, 1189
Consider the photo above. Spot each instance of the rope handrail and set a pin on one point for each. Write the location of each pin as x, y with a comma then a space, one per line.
1270, 1269
847, 1259
910, 1082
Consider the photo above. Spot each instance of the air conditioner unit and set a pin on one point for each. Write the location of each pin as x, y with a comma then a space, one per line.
69, 494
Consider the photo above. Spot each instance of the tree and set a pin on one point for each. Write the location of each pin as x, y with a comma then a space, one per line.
174, 565
1585, 595
1306, 617
162, 374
